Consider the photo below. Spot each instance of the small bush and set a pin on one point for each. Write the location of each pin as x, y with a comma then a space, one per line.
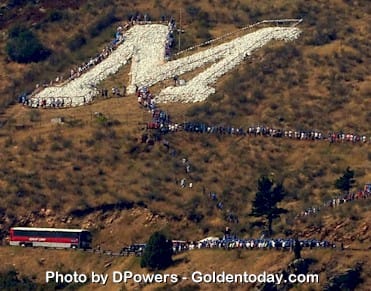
217, 97
72, 122
56, 147
258, 94
254, 14
104, 22
10, 280
326, 31
32, 143
10, 142
193, 11
57, 15
67, 143
34, 116
98, 135
203, 33
195, 216
155, 196
16, 3
77, 42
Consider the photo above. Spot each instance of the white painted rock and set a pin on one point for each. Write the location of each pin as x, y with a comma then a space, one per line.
145, 46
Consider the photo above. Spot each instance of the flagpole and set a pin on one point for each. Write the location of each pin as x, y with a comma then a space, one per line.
180, 27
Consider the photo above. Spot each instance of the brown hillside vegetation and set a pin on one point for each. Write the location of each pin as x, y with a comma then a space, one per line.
95, 173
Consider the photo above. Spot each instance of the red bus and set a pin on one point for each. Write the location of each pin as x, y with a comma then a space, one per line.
50, 237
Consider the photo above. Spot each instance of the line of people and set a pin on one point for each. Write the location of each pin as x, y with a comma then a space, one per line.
230, 243
335, 202
52, 102
199, 127
146, 100
93, 61
187, 169
266, 243
170, 40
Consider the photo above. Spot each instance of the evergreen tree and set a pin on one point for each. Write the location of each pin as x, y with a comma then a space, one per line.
157, 253
346, 181
297, 249
266, 199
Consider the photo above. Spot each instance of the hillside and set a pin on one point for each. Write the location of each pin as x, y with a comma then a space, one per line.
93, 171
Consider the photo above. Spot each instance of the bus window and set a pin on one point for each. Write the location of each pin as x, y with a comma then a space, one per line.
85, 239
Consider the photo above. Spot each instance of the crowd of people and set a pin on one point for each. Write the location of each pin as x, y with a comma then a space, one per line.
261, 130
146, 98
51, 102
264, 243
199, 127
232, 242
170, 40
339, 200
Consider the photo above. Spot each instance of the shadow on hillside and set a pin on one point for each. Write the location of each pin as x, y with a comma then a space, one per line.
180, 261
104, 207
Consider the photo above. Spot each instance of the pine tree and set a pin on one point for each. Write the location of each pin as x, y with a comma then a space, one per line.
266, 199
346, 181
297, 249
157, 253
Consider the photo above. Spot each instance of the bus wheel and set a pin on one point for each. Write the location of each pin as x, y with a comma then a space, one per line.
74, 247
22, 245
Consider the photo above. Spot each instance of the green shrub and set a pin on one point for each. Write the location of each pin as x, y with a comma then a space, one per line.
193, 11
67, 143
77, 42
16, 3
258, 94
203, 33
57, 15
155, 196
10, 280
195, 216
254, 14
24, 47
32, 143
34, 115
104, 22
326, 31
56, 147
74, 122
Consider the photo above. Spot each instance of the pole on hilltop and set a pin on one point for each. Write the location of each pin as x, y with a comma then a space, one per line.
180, 27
